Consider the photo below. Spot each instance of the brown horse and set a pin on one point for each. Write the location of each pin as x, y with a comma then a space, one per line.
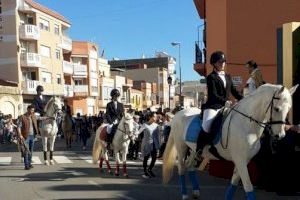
67, 128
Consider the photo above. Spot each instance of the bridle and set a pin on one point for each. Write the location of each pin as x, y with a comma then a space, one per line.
270, 122
266, 125
124, 130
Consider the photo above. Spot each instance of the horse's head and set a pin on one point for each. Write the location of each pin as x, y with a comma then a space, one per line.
128, 123
53, 106
279, 107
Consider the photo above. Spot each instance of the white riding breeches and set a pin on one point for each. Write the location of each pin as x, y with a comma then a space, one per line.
208, 118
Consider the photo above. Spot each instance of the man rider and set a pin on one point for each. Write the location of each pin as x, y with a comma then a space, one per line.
114, 113
39, 101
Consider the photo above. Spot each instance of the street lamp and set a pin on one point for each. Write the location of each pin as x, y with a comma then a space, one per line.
169, 82
180, 95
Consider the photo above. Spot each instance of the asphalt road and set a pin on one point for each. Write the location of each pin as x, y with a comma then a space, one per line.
74, 177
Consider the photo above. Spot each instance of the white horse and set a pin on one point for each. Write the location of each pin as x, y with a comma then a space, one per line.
268, 107
48, 128
120, 144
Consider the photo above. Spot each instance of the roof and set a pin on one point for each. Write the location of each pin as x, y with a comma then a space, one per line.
47, 11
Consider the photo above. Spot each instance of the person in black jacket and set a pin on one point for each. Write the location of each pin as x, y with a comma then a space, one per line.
219, 88
39, 101
114, 113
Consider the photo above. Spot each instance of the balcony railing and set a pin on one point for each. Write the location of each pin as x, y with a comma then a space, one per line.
66, 43
81, 88
68, 67
29, 86
80, 71
68, 90
29, 32
30, 60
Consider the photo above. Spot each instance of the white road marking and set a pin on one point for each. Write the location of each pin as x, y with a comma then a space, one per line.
125, 197
36, 160
87, 159
5, 160
62, 159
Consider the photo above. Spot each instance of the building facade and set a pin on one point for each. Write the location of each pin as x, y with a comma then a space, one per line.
251, 29
84, 80
33, 40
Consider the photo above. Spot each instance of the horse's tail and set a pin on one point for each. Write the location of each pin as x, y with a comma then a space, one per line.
169, 159
97, 147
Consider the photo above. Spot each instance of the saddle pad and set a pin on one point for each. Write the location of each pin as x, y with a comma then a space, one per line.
103, 134
193, 129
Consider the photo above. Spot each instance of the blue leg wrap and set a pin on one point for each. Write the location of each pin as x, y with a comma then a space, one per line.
230, 192
182, 184
250, 195
194, 180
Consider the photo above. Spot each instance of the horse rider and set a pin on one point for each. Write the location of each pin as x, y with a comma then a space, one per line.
219, 87
67, 111
114, 114
39, 101
255, 80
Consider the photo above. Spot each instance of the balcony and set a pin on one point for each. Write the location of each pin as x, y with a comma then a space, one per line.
29, 86
81, 90
30, 60
68, 67
66, 43
80, 71
29, 32
68, 90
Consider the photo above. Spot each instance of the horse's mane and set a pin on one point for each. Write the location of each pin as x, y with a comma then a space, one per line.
48, 103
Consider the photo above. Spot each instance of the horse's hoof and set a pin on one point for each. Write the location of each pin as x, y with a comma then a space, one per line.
196, 194
51, 162
185, 197
100, 170
47, 162
126, 175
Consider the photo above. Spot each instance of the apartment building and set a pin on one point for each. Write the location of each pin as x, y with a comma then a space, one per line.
164, 62
146, 88
106, 83
33, 40
82, 85
151, 75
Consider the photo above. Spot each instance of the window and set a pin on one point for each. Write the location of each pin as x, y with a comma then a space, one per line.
44, 25
78, 82
94, 89
58, 78
57, 54
46, 77
56, 29
30, 20
45, 51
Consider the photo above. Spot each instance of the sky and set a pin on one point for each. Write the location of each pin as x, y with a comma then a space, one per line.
127, 29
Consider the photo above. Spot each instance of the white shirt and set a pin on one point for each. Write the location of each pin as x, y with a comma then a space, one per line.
221, 74
116, 104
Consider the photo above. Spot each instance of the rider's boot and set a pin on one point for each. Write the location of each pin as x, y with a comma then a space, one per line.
202, 140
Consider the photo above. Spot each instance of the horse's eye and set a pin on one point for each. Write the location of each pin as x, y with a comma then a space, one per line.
277, 109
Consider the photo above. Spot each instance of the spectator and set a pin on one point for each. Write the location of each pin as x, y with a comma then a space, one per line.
150, 144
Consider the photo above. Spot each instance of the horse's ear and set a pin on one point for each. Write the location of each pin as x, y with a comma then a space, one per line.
293, 89
281, 90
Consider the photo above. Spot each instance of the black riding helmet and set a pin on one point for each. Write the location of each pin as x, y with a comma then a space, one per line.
115, 92
40, 88
216, 56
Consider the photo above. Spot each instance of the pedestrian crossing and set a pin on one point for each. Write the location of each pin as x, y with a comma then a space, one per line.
63, 159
